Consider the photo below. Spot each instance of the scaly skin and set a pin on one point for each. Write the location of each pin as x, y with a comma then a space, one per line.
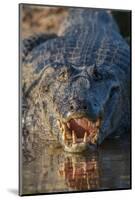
82, 74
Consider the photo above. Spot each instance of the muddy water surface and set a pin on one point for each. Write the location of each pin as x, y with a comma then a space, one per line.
57, 171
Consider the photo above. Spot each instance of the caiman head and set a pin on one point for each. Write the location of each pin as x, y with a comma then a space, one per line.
84, 82
82, 104
84, 101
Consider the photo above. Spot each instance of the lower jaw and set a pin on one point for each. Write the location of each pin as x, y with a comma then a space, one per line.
79, 134
78, 148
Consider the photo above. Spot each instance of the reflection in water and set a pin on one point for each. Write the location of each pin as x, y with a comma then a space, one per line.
57, 171
80, 173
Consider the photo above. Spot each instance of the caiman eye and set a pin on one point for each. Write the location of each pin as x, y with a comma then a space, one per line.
97, 75
63, 76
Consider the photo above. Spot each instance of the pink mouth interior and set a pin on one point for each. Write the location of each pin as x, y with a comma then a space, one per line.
80, 126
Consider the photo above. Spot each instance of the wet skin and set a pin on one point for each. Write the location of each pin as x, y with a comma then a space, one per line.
84, 80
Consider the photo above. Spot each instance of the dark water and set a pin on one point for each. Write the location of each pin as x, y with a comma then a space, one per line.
57, 171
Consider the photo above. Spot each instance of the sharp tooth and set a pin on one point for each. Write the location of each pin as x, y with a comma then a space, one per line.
64, 136
95, 137
97, 123
68, 125
63, 127
89, 123
85, 137
59, 124
73, 137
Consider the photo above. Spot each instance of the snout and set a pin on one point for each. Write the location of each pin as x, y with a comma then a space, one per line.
79, 126
85, 107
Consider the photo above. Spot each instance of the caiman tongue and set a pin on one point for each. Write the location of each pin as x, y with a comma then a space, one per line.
80, 126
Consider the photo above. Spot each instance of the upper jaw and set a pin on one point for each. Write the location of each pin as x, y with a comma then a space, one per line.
71, 139
74, 116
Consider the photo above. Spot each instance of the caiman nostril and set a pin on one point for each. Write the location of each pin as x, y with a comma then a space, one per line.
95, 104
85, 107
71, 107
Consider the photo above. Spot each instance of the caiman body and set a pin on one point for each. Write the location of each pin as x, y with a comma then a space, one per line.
79, 81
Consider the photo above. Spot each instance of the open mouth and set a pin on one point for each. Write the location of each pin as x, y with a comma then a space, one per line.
78, 133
